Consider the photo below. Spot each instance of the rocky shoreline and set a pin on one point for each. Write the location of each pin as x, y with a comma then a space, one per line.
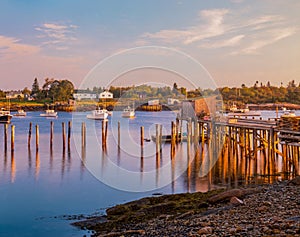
263, 210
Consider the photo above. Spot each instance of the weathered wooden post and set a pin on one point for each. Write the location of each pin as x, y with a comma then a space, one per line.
63, 136
106, 129
142, 141
142, 136
29, 135
173, 139
51, 135
5, 137
12, 139
69, 135
37, 138
160, 138
177, 130
196, 133
103, 134
83, 135
119, 135
157, 139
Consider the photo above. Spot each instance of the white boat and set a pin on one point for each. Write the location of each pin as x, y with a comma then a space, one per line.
234, 111
5, 116
98, 114
128, 113
49, 113
20, 113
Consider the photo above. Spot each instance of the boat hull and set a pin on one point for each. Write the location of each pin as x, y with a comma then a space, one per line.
49, 115
5, 118
97, 117
130, 114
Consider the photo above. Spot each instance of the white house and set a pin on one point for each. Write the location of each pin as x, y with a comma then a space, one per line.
14, 94
106, 95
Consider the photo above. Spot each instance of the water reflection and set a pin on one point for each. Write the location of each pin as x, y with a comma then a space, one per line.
37, 165
29, 160
12, 168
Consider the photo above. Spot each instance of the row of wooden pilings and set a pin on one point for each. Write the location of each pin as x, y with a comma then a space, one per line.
248, 151
66, 136
243, 149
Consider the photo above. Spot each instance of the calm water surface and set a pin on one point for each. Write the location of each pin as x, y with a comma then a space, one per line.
39, 190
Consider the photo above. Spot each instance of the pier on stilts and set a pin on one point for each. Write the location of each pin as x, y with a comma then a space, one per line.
248, 149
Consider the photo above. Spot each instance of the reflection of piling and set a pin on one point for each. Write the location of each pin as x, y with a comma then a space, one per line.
51, 135
63, 136
5, 137
12, 139
37, 138
69, 135
29, 135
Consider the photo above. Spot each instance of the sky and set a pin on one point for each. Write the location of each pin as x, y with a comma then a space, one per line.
236, 41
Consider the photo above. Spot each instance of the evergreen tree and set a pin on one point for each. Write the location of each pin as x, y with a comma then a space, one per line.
35, 87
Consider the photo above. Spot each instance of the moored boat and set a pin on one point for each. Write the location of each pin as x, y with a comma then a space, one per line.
20, 113
128, 112
49, 113
234, 111
5, 116
98, 114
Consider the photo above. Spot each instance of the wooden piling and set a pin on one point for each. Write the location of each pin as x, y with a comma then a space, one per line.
12, 139
106, 130
83, 136
142, 136
102, 133
69, 135
142, 141
177, 130
5, 137
51, 135
63, 136
119, 135
157, 139
37, 138
173, 139
29, 135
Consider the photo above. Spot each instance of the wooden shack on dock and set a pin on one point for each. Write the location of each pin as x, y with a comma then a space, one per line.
198, 107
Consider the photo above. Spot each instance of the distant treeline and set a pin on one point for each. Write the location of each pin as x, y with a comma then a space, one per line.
62, 90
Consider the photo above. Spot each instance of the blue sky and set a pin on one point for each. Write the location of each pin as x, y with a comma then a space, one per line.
237, 41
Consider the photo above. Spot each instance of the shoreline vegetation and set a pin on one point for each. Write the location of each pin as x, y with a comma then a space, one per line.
254, 210
116, 105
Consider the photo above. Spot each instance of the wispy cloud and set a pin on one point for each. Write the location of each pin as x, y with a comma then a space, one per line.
11, 46
220, 28
224, 43
212, 26
55, 34
272, 37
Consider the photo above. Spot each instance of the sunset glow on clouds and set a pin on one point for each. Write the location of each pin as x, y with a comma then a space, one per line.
238, 41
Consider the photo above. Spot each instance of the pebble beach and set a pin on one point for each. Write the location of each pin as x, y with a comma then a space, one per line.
264, 210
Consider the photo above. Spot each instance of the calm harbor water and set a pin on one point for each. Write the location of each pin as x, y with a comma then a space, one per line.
39, 191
